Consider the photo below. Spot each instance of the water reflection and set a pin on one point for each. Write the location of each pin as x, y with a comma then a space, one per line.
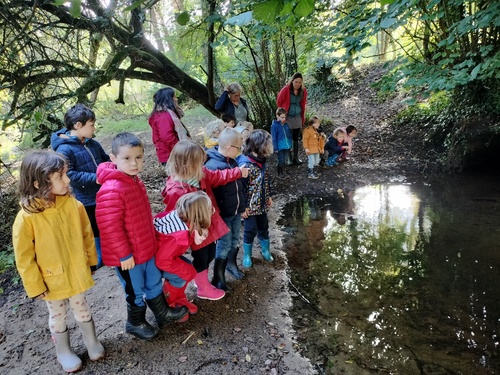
404, 278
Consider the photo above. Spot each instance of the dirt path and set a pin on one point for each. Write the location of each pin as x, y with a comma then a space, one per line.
250, 330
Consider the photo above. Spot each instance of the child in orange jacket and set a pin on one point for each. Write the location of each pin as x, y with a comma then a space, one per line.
314, 145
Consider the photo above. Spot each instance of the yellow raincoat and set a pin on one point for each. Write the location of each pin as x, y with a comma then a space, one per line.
54, 250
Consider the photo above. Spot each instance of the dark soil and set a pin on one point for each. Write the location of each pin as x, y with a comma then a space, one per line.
250, 330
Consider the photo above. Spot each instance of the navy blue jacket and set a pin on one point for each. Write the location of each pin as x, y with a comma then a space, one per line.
333, 146
230, 197
83, 159
224, 104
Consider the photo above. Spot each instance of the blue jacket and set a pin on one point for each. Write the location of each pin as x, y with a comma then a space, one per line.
282, 136
230, 197
83, 159
224, 104
333, 146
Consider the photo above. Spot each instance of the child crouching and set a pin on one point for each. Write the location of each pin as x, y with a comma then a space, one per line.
176, 231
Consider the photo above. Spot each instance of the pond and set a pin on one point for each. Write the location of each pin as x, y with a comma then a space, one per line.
398, 278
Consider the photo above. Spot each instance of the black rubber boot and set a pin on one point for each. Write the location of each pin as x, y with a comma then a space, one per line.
137, 324
165, 314
232, 266
219, 279
296, 160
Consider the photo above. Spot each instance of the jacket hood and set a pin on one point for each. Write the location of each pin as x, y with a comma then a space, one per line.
170, 223
213, 153
63, 136
107, 171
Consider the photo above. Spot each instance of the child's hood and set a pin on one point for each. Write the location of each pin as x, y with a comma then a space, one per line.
168, 223
107, 171
63, 136
213, 153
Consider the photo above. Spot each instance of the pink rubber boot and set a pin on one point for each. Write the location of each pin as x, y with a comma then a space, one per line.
205, 289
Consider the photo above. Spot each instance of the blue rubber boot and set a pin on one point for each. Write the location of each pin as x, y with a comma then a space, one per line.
266, 254
247, 255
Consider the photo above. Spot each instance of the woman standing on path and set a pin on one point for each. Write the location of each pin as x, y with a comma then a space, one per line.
167, 128
293, 97
231, 102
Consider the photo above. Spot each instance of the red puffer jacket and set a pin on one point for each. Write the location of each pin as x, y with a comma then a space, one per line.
176, 189
124, 217
174, 240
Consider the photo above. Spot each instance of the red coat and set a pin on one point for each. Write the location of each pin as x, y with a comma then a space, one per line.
124, 217
176, 189
283, 100
172, 244
163, 134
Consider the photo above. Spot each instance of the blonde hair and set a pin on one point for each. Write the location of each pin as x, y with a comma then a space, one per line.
195, 209
246, 124
338, 131
213, 128
186, 161
229, 136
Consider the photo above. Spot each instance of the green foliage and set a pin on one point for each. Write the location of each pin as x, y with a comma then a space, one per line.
7, 260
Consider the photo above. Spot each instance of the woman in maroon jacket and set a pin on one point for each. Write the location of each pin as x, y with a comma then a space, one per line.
293, 97
166, 126
187, 174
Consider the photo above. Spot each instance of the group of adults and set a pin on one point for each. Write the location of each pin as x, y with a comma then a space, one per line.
167, 128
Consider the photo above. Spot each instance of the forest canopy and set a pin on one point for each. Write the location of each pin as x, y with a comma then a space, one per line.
55, 53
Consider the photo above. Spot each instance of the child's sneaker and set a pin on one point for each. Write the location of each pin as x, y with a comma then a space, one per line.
311, 174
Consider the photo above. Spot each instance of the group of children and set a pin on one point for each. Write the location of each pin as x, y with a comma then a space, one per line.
320, 150
60, 239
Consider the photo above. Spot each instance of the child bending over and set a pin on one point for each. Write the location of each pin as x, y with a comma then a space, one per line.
335, 147
176, 232
212, 131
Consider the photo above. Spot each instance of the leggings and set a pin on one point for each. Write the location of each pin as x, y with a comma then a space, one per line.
202, 257
58, 310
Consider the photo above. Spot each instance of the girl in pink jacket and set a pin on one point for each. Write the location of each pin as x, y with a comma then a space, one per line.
187, 174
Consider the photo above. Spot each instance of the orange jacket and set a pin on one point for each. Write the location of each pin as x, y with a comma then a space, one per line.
312, 140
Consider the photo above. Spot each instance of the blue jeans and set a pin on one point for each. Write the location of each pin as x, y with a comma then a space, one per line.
142, 281
173, 279
256, 225
312, 160
332, 160
231, 240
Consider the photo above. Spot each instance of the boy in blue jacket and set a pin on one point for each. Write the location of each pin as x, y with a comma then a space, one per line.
231, 202
83, 155
282, 139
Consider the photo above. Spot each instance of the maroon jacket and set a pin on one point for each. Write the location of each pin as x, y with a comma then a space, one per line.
175, 189
283, 100
124, 217
163, 134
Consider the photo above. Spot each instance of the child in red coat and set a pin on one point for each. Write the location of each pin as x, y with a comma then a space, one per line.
187, 174
176, 231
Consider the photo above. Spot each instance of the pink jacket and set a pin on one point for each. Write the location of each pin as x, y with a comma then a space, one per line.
174, 189
163, 133
283, 100
348, 140
124, 217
